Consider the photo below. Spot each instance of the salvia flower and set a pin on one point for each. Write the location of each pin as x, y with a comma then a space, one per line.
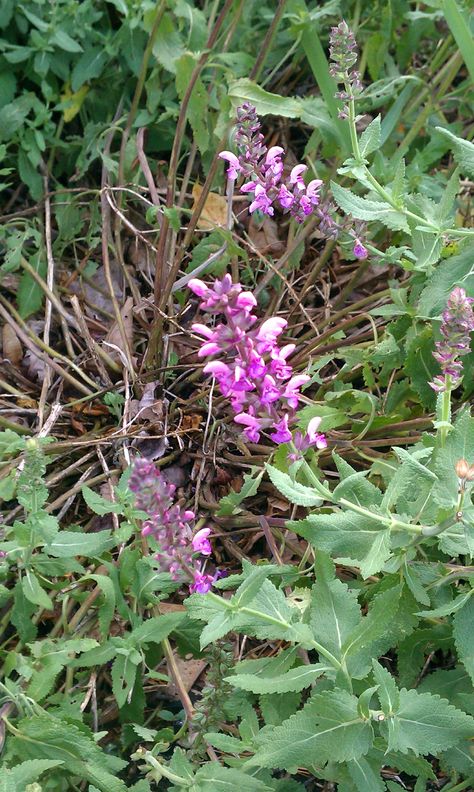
170, 526
456, 328
262, 171
250, 366
343, 54
301, 442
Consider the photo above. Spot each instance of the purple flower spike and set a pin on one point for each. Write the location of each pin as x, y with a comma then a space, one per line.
169, 526
359, 250
252, 370
202, 583
456, 329
200, 542
262, 171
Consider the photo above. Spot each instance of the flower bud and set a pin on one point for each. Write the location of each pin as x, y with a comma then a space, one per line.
470, 474
462, 468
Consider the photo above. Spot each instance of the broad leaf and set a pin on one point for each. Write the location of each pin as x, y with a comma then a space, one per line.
293, 681
293, 491
463, 151
335, 611
463, 624
366, 209
328, 728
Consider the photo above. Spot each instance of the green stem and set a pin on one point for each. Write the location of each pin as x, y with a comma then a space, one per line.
445, 412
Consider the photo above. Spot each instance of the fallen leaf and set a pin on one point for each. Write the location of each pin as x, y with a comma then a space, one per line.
214, 212
12, 348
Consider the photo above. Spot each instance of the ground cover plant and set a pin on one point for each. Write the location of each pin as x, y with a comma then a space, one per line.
236, 441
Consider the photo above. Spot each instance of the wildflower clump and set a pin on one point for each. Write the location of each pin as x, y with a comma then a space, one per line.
171, 527
250, 366
262, 169
456, 328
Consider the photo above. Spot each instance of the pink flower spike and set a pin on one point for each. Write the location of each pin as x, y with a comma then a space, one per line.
291, 392
273, 159
202, 329
359, 251
234, 164
217, 368
297, 173
252, 426
271, 329
285, 197
246, 300
261, 202
198, 287
313, 427
312, 191
281, 434
200, 543
202, 583
209, 349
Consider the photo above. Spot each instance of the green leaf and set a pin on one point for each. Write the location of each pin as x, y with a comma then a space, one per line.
366, 209
388, 694
428, 724
34, 592
335, 611
364, 777
107, 607
362, 643
292, 681
30, 294
89, 66
64, 41
48, 737
31, 770
455, 271
156, 629
70, 543
463, 623
124, 673
463, 150
327, 729
168, 45
98, 504
266, 103
21, 614
213, 777
199, 100
370, 138
230, 503
10, 443
459, 445
344, 534
292, 490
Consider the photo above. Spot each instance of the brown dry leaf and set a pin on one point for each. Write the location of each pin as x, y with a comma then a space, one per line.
189, 671
214, 212
265, 237
191, 421
12, 348
113, 342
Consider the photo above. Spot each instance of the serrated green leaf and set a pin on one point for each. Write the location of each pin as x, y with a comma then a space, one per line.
428, 724
366, 209
370, 138
455, 271
448, 607
364, 777
30, 295
31, 770
98, 504
292, 490
328, 728
156, 628
292, 681
124, 673
459, 445
34, 592
230, 503
463, 150
225, 742
70, 543
213, 777
463, 623
343, 534
361, 645
388, 694
335, 611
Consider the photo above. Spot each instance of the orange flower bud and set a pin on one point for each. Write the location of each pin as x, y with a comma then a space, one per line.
462, 468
